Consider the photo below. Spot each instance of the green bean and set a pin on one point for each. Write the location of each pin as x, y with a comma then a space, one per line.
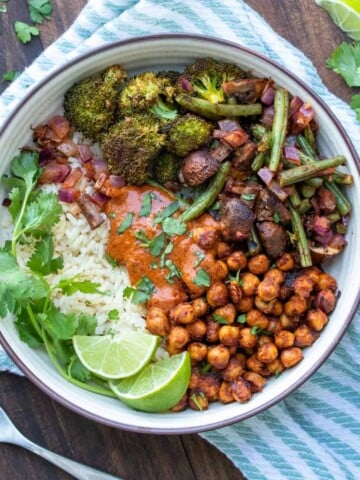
215, 111
304, 172
307, 191
281, 107
301, 239
304, 206
208, 197
258, 161
295, 198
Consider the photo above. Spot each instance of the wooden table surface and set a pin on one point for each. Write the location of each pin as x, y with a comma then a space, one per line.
129, 455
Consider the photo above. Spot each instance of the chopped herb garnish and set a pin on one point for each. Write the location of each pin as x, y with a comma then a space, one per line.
205, 367
126, 223
111, 260
248, 196
145, 209
200, 257
202, 278
166, 212
142, 292
155, 245
255, 330
237, 278
112, 214
114, 314
241, 318
276, 217
174, 271
219, 319
3, 9
168, 249
173, 226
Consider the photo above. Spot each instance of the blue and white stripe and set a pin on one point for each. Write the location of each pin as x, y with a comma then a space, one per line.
315, 432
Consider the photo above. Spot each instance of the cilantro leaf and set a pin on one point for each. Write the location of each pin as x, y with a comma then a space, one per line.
70, 285
142, 292
61, 326
114, 314
145, 209
26, 330
26, 167
42, 260
345, 60
200, 257
111, 260
16, 203
40, 9
174, 271
219, 319
24, 32
173, 226
355, 105
10, 75
166, 212
202, 278
241, 318
77, 370
126, 223
86, 324
17, 289
42, 214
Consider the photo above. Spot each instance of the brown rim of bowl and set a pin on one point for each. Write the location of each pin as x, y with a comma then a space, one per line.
175, 431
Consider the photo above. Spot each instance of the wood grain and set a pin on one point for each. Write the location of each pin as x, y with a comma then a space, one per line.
129, 455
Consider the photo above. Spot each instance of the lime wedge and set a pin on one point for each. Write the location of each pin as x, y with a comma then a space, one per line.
345, 14
158, 387
114, 358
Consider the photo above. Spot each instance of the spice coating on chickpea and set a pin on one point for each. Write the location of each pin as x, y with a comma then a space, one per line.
218, 356
259, 264
217, 295
295, 306
246, 338
316, 319
249, 284
284, 339
200, 306
267, 352
226, 312
256, 381
226, 393
236, 261
197, 351
183, 313
228, 335
233, 370
286, 262
291, 356
178, 337
197, 330
241, 390
157, 322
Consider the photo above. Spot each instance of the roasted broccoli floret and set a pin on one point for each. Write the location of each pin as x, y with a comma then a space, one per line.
143, 92
130, 145
90, 104
188, 133
207, 75
167, 167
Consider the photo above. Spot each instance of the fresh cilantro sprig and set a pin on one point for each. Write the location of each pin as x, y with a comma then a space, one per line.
10, 76
40, 10
25, 32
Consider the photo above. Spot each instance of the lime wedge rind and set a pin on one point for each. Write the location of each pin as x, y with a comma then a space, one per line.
115, 358
344, 16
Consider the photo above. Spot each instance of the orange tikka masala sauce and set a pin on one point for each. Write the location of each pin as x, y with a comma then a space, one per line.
186, 255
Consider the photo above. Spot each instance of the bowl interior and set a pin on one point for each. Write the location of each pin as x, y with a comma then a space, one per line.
174, 52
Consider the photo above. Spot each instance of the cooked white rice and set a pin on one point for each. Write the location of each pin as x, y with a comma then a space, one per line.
83, 251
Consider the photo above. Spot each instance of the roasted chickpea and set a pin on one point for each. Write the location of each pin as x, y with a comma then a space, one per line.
263, 338
303, 286
200, 306
246, 339
245, 304
223, 250
258, 264
249, 284
157, 322
197, 330
284, 339
304, 336
274, 275
205, 237
316, 319
228, 335
274, 325
197, 351
268, 290
287, 322
314, 273
195, 378
266, 307
217, 294
235, 291
267, 352
254, 365
291, 356
197, 400
225, 393
221, 270
326, 300
181, 405
277, 308
242, 358
255, 381
227, 312
295, 306
183, 313
178, 337
285, 292
256, 318
210, 385
241, 390
233, 370
285, 263
275, 367
236, 261
326, 281
212, 331
218, 356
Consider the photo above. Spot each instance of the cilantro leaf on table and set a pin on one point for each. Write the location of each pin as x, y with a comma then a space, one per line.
10, 76
355, 105
17, 288
25, 32
345, 60
42, 260
40, 10
69, 286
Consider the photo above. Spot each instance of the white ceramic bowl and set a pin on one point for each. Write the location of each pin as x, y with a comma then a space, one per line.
172, 52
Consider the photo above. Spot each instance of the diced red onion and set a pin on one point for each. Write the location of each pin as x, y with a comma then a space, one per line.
268, 94
85, 153
73, 178
325, 238
292, 155
47, 155
99, 199
302, 118
68, 148
60, 126
68, 195
266, 175
295, 103
338, 242
279, 192
235, 138
100, 167
228, 124
267, 117
321, 225
185, 84
116, 181
54, 173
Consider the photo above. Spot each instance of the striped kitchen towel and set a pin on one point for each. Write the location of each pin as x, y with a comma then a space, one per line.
315, 432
